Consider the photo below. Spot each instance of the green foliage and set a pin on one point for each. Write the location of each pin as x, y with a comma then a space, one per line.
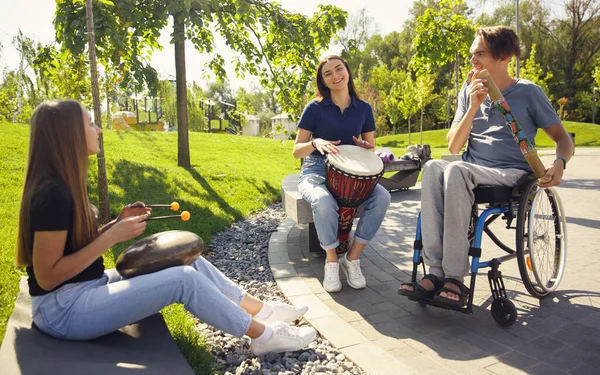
9, 99
63, 75
280, 47
441, 36
231, 178
533, 71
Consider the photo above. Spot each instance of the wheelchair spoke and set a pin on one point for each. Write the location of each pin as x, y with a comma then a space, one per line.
545, 242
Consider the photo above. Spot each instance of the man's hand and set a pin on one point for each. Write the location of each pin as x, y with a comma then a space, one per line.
553, 176
477, 91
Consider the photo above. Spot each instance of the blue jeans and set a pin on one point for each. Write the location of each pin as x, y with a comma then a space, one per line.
89, 309
311, 186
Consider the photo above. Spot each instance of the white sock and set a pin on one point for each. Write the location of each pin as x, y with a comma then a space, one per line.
265, 312
265, 336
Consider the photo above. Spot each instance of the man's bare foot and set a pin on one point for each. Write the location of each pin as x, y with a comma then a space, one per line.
450, 295
423, 289
425, 283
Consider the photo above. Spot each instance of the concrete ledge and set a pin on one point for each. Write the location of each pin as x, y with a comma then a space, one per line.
145, 347
293, 204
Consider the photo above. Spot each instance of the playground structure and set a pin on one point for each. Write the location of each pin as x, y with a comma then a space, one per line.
228, 121
129, 118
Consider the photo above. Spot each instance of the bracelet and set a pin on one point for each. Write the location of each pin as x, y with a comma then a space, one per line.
564, 162
312, 143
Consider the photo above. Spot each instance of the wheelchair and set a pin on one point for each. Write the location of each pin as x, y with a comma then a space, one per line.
541, 243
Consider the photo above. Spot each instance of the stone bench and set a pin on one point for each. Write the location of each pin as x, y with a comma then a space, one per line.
298, 209
144, 348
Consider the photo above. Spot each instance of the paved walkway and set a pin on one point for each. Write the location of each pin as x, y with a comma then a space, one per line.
388, 334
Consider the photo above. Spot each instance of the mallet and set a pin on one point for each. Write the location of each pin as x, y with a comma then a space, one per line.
173, 206
525, 145
185, 216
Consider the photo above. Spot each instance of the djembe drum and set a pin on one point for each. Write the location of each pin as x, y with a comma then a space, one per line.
352, 174
159, 251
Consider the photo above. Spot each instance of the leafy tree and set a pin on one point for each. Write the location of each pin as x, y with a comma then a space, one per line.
279, 46
424, 96
26, 49
383, 80
442, 36
358, 31
166, 93
596, 74
577, 42
63, 75
404, 95
534, 72
8, 99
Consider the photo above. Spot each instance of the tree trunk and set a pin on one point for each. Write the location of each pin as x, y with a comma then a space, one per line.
421, 141
409, 131
108, 119
183, 145
102, 183
456, 74
19, 87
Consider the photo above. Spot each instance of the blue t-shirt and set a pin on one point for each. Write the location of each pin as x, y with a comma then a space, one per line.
325, 120
491, 143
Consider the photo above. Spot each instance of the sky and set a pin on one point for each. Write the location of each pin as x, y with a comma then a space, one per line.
34, 18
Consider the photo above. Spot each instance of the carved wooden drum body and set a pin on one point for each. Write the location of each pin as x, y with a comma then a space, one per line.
352, 175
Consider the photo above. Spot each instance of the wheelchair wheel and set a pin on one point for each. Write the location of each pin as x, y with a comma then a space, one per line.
541, 240
504, 311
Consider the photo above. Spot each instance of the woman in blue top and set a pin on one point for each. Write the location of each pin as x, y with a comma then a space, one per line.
337, 117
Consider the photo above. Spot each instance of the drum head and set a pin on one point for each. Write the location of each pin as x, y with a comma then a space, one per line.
356, 160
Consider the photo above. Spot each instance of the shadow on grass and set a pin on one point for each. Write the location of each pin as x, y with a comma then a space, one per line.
393, 143
148, 184
215, 196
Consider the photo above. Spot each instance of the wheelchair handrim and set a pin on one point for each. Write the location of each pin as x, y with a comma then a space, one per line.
559, 241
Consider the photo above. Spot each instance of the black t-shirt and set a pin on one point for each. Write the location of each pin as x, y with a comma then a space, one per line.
52, 210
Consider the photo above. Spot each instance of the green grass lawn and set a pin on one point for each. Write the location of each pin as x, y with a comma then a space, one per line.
586, 135
230, 178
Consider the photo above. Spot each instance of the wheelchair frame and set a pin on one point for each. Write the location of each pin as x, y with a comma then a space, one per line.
505, 201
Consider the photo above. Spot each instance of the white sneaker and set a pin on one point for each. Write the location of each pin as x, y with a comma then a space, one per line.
331, 280
285, 338
284, 312
353, 273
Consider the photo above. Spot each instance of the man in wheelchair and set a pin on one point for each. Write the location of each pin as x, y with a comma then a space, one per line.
491, 158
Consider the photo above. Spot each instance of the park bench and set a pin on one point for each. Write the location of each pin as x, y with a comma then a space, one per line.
145, 347
296, 208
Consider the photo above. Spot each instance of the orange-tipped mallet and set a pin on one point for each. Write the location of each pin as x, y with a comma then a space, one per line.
185, 216
173, 206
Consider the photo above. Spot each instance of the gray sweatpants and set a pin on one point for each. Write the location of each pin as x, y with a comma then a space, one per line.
446, 201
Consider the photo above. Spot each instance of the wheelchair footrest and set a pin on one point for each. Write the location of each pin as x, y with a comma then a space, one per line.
495, 280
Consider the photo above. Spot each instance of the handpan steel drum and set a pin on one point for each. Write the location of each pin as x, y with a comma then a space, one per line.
352, 175
159, 251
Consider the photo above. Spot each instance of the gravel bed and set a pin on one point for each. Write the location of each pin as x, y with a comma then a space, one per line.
240, 252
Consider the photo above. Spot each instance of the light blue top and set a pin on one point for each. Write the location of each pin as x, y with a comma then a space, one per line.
491, 143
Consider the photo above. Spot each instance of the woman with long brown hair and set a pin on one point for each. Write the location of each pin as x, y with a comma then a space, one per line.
337, 117
73, 296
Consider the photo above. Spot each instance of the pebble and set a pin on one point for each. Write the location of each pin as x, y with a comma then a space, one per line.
241, 253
